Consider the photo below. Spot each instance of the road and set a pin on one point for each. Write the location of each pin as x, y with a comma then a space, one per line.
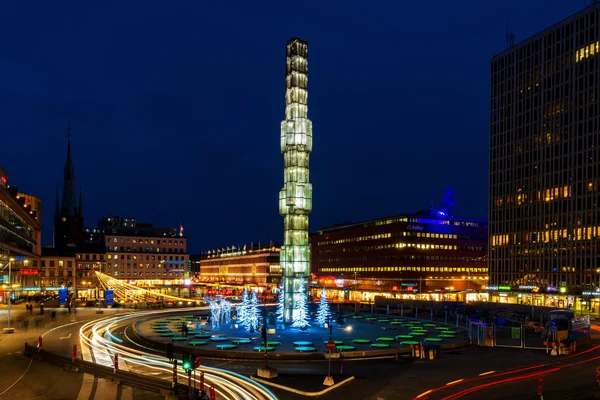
99, 343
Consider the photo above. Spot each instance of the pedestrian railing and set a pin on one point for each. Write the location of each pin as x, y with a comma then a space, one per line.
127, 378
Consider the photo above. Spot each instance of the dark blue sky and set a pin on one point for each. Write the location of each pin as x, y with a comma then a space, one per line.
175, 106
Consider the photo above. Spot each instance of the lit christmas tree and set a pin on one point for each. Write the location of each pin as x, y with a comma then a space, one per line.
323, 312
242, 311
280, 304
300, 312
254, 317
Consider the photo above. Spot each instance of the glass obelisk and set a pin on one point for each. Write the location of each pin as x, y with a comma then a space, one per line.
295, 199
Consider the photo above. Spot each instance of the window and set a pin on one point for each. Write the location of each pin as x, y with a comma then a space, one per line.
43, 263
70, 264
51, 263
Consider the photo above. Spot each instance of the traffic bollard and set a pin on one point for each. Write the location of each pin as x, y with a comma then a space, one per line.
213, 396
40, 343
116, 361
540, 387
74, 351
201, 381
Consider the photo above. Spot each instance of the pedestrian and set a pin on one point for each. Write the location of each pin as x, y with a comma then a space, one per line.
53, 315
170, 351
41, 309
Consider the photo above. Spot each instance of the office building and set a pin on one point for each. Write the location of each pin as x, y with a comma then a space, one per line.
230, 270
544, 164
20, 237
146, 256
427, 255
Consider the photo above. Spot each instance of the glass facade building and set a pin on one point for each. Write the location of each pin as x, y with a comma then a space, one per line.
295, 199
545, 159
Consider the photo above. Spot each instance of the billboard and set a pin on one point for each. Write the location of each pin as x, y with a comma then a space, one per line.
109, 297
63, 296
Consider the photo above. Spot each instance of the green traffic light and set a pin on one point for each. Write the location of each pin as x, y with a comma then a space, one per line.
186, 366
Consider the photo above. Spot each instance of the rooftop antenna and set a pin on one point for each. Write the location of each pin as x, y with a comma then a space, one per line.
509, 37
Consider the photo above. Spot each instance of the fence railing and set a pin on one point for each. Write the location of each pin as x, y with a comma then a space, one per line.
127, 378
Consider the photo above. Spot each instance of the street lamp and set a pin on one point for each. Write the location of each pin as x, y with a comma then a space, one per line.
8, 329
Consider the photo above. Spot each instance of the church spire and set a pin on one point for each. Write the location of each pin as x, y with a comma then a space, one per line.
68, 195
56, 204
80, 208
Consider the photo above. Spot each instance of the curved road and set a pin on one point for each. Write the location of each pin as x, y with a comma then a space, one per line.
99, 343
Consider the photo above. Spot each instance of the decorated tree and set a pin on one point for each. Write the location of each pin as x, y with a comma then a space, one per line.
254, 317
242, 311
280, 305
300, 311
323, 312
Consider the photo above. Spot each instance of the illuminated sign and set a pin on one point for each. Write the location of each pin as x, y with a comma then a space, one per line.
409, 284
175, 261
415, 228
28, 271
551, 289
527, 287
494, 288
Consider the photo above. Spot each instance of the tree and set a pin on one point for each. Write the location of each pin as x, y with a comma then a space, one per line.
254, 317
242, 312
300, 312
323, 312
280, 304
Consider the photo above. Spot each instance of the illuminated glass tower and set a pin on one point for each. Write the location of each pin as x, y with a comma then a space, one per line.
295, 199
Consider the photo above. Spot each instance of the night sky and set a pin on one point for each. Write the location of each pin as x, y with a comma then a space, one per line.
176, 106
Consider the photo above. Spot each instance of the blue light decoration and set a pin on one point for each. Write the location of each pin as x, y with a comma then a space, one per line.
323, 312
254, 315
220, 312
63, 295
280, 303
300, 312
242, 310
109, 297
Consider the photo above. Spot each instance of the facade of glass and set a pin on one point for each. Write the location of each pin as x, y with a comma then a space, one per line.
295, 199
545, 159
412, 254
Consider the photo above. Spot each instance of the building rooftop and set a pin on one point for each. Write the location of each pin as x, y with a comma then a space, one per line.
550, 28
423, 216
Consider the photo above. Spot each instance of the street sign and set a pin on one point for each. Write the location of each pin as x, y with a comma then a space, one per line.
330, 345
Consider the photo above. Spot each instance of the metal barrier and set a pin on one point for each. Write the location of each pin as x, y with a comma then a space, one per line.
127, 378
519, 337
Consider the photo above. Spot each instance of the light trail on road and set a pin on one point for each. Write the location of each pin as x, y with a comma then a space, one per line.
519, 373
98, 337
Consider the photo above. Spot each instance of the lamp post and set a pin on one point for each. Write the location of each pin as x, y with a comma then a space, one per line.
8, 329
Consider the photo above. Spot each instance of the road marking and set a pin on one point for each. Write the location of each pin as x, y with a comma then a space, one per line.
424, 394
66, 337
453, 382
486, 373
17, 381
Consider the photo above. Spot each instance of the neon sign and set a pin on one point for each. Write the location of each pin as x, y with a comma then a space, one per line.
28, 271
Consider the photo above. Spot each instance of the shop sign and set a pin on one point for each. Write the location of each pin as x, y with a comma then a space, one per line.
175, 261
551, 289
527, 287
496, 288
596, 293
339, 282
415, 228
28, 271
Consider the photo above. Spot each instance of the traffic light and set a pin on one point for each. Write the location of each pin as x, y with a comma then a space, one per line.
196, 363
186, 362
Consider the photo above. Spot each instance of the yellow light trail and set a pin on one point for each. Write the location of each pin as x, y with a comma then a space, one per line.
487, 373
454, 382
424, 394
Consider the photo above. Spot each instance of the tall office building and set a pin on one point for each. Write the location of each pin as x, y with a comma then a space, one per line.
544, 222
295, 199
